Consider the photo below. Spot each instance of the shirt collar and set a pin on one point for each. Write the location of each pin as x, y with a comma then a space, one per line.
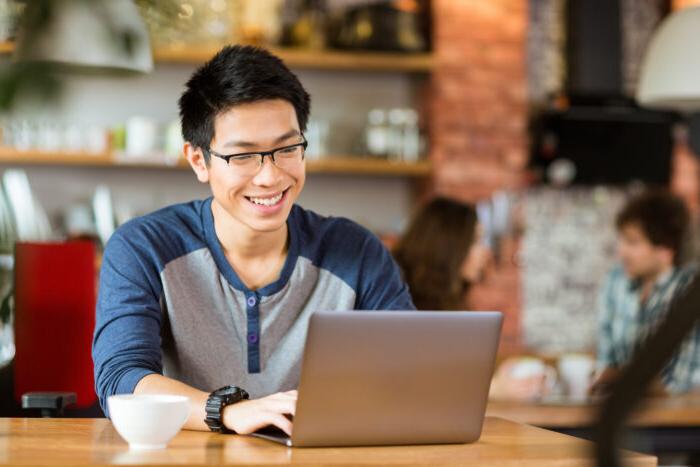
661, 282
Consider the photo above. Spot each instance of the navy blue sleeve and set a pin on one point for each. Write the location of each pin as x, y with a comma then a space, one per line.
126, 343
380, 286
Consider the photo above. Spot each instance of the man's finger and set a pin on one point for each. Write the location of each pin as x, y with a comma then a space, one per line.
281, 422
281, 406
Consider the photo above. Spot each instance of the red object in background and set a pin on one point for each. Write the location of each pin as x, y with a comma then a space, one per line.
54, 319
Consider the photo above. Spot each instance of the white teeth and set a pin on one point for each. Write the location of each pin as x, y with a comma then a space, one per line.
267, 201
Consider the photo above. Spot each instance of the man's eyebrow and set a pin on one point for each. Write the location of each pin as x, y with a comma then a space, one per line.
248, 144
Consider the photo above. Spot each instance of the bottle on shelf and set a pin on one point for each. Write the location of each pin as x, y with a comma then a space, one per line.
377, 133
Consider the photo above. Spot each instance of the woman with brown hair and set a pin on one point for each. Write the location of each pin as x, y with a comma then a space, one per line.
442, 254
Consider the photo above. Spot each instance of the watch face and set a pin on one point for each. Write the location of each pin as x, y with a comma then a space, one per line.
225, 391
231, 393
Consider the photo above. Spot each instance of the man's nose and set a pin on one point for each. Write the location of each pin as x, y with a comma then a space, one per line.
268, 174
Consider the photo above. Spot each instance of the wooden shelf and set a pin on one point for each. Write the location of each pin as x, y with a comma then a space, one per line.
300, 58
335, 165
365, 166
18, 157
323, 60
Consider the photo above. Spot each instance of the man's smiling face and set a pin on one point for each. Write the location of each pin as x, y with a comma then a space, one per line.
261, 200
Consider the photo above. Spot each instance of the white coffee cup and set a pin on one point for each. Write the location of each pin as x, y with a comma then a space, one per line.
533, 367
148, 421
141, 136
575, 372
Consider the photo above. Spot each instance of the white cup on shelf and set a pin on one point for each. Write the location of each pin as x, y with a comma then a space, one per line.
317, 137
141, 136
96, 141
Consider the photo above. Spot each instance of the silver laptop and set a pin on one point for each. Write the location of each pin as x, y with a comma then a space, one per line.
393, 378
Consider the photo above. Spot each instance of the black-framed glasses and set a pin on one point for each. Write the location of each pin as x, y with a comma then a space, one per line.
248, 163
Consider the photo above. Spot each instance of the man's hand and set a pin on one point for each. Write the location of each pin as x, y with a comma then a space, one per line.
245, 417
506, 386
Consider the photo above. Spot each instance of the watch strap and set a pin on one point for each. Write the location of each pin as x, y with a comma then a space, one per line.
217, 402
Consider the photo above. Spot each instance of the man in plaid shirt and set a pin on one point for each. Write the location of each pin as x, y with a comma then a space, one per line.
651, 233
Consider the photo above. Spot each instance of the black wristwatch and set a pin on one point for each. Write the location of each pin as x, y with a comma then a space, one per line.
216, 403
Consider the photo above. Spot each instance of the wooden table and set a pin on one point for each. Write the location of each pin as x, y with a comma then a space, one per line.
678, 411
663, 425
80, 442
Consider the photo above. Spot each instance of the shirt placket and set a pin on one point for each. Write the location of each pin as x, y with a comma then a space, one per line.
253, 331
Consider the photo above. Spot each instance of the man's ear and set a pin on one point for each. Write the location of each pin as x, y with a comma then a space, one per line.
196, 159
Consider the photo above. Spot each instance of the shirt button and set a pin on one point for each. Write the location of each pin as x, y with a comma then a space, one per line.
251, 301
252, 338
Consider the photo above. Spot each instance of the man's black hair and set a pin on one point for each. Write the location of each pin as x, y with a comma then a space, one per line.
662, 217
236, 75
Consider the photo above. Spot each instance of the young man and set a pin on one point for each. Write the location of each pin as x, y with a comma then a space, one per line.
651, 232
218, 293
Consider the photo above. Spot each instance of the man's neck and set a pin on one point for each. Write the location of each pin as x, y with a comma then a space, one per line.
649, 281
243, 243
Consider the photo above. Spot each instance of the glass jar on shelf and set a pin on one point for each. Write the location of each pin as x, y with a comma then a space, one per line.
260, 22
411, 140
10, 14
194, 22
304, 24
317, 132
377, 133
397, 119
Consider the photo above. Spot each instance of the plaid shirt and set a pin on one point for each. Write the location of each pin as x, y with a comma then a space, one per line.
625, 323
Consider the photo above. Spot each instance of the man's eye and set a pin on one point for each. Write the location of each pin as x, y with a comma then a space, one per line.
239, 159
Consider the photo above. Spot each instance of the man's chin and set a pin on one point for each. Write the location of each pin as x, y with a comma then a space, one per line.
266, 225
633, 274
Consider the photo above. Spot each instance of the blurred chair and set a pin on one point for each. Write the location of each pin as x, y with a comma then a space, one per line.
54, 297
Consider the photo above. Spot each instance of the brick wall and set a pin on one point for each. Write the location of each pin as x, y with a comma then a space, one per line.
478, 117
686, 168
